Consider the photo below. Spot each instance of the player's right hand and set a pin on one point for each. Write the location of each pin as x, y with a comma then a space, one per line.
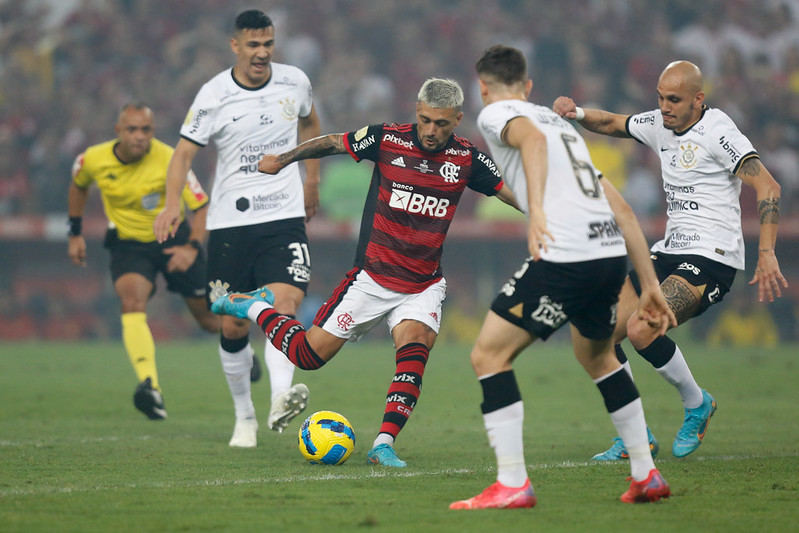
270, 164
166, 224
77, 250
537, 234
565, 107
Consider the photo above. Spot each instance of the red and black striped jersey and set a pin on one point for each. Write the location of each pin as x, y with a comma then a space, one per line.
411, 201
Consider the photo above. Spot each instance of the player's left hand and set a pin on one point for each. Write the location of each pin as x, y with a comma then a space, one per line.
311, 200
182, 257
655, 310
768, 277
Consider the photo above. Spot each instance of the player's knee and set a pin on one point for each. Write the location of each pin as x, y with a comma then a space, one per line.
486, 361
640, 333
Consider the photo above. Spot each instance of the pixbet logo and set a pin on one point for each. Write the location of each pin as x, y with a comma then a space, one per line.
416, 203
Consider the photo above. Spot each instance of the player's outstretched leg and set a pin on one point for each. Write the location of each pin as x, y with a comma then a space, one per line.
236, 303
618, 452
693, 429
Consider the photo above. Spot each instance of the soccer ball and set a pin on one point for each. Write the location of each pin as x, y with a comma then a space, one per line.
326, 438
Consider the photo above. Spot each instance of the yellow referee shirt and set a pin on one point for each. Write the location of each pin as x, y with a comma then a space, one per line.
133, 193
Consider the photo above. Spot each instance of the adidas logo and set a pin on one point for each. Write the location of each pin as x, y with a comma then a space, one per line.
399, 162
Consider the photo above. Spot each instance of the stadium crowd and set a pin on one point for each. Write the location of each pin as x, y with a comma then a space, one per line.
67, 66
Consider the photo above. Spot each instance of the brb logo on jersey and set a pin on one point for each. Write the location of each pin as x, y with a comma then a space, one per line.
417, 204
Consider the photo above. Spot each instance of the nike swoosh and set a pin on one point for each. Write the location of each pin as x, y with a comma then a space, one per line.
238, 118
662, 149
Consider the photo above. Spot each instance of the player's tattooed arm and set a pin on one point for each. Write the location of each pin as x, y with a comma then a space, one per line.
315, 148
753, 173
312, 149
769, 211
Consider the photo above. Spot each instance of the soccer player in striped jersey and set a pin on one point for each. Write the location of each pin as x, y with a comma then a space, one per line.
420, 173
130, 172
579, 228
704, 159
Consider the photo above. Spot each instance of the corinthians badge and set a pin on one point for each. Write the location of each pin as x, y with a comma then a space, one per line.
688, 155
289, 110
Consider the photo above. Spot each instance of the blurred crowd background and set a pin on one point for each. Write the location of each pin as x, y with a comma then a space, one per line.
67, 66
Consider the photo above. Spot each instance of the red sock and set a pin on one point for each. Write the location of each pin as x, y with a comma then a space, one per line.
405, 388
288, 336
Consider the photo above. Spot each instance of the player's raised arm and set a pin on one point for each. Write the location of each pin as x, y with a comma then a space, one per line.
595, 120
323, 146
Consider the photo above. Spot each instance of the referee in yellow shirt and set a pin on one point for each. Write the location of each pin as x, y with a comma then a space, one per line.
130, 172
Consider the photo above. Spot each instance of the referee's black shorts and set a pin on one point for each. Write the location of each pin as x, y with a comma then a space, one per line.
148, 259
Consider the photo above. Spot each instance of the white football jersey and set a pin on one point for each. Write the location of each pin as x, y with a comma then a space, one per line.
578, 214
245, 124
702, 191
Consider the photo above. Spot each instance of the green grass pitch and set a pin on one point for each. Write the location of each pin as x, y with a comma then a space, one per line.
76, 456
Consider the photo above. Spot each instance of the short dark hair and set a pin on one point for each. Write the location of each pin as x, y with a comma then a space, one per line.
504, 64
253, 19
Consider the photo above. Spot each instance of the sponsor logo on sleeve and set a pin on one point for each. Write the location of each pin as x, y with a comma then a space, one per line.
195, 119
77, 165
363, 144
488, 163
361, 133
730, 148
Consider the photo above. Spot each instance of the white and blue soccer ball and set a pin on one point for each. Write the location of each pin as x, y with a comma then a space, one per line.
327, 438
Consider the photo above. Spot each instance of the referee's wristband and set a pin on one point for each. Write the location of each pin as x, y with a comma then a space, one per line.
75, 226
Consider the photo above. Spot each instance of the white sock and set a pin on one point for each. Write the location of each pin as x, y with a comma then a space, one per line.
256, 308
237, 368
281, 370
677, 373
504, 428
631, 426
383, 438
